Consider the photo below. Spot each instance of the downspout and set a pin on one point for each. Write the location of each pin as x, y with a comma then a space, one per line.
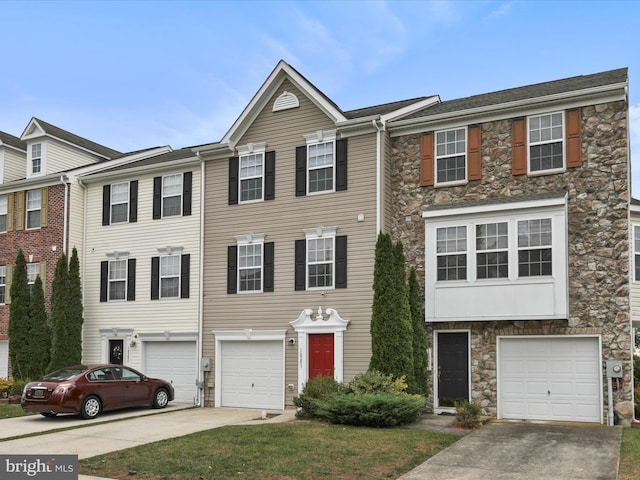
379, 125
201, 374
84, 246
65, 213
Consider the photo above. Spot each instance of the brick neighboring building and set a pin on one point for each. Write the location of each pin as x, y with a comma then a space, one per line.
41, 210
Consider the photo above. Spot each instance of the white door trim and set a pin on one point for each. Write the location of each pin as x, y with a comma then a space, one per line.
436, 408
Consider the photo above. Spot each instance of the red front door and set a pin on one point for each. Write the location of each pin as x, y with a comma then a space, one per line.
321, 355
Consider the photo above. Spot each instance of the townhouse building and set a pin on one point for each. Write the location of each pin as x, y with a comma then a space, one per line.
41, 211
141, 270
515, 206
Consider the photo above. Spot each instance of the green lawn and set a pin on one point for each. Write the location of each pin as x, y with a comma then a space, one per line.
292, 450
10, 411
630, 454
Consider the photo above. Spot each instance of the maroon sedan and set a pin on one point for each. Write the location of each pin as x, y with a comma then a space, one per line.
90, 389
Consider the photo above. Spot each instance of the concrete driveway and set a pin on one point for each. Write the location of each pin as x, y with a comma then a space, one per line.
133, 427
517, 450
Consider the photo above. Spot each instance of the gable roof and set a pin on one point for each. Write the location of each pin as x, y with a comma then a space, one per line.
168, 159
11, 141
50, 130
382, 109
593, 82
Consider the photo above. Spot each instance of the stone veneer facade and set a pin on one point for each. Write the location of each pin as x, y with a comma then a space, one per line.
598, 236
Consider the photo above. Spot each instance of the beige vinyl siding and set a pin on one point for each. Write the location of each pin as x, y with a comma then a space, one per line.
75, 209
61, 157
142, 240
387, 166
282, 221
15, 165
634, 286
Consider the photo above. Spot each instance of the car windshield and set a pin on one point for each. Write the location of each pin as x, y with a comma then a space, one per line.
64, 373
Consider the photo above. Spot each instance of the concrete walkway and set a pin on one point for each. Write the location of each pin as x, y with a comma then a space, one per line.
525, 450
133, 428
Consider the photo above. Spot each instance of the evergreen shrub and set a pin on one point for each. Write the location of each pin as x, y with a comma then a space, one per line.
316, 389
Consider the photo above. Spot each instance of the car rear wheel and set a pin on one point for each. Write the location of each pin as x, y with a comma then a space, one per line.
48, 414
91, 407
161, 398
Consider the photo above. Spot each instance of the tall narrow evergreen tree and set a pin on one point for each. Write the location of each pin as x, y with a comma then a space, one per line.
59, 303
391, 343
19, 319
74, 309
40, 333
420, 359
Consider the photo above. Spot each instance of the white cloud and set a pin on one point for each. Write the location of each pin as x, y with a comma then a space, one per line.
502, 10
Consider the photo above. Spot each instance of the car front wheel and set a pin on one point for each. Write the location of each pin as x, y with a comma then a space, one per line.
161, 398
90, 407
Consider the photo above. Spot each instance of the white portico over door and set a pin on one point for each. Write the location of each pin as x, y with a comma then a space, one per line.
316, 323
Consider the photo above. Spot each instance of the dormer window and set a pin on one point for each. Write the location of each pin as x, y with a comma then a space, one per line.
36, 159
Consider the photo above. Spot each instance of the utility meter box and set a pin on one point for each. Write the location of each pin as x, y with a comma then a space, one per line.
614, 368
205, 364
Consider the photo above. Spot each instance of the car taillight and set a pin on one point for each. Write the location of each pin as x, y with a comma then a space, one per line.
63, 388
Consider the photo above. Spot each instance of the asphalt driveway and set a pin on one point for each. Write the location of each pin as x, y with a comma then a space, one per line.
518, 450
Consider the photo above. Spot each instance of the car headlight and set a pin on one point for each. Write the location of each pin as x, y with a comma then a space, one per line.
63, 389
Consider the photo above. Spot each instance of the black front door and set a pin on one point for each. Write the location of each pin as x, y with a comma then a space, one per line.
453, 368
116, 351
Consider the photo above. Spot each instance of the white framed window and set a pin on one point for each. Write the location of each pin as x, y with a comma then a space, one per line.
170, 276
535, 247
119, 202
33, 270
36, 159
320, 258
250, 263
34, 206
251, 173
451, 156
451, 248
321, 162
492, 250
172, 195
117, 280
3, 213
546, 142
3, 283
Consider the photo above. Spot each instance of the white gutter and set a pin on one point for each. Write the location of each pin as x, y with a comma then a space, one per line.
65, 214
84, 248
201, 374
379, 126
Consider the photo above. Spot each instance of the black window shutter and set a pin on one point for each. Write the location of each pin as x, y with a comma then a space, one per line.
155, 278
184, 275
341, 262
104, 276
268, 267
186, 193
270, 175
234, 165
133, 201
301, 265
131, 280
232, 269
157, 198
106, 205
301, 171
341, 164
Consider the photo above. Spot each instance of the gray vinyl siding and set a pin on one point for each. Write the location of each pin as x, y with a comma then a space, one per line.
634, 285
282, 220
387, 166
61, 157
15, 165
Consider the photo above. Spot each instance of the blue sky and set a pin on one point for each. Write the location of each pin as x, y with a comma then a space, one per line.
136, 74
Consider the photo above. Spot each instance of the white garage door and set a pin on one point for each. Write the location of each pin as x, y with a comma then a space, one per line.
4, 358
252, 374
175, 362
549, 379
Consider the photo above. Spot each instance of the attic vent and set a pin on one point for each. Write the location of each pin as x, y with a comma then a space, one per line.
285, 101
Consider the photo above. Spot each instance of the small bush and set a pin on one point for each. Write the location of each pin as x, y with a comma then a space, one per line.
317, 389
374, 381
468, 414
17, 387
5, 387
371, 409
